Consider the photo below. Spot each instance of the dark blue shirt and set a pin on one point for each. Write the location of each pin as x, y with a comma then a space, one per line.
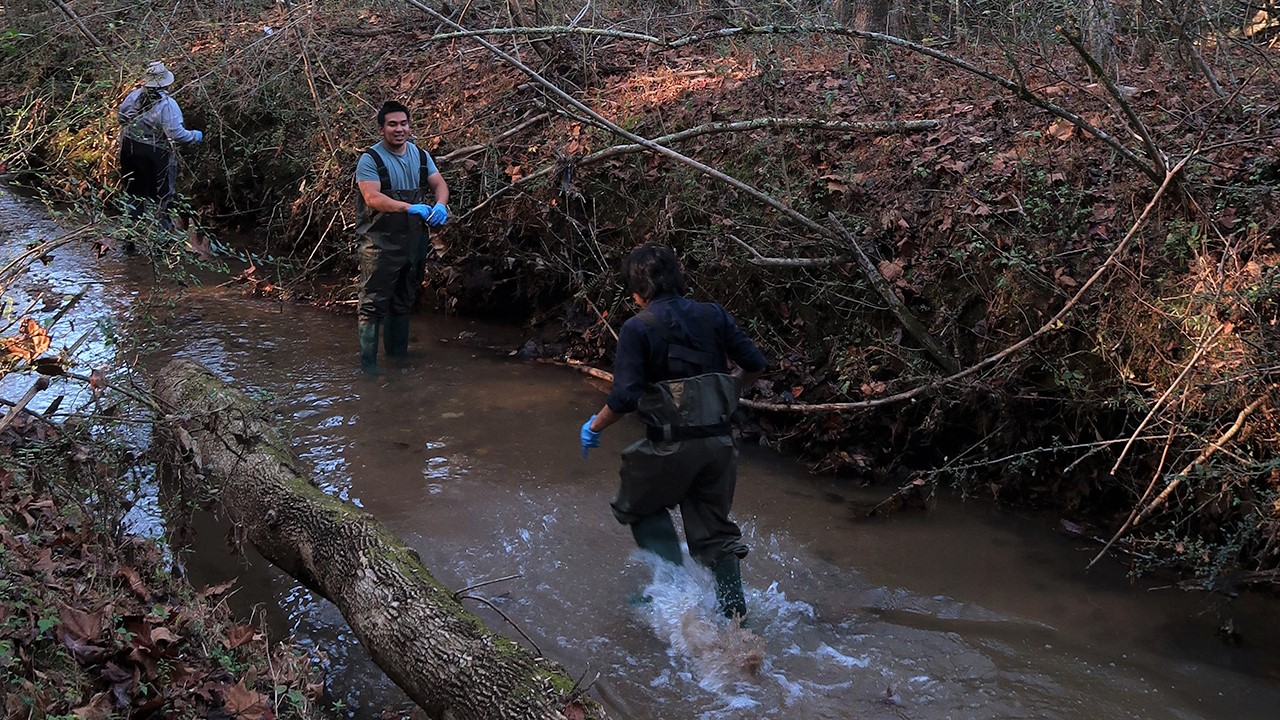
642, 349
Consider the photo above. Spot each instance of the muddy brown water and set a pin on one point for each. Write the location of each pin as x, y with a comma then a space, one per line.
472, 459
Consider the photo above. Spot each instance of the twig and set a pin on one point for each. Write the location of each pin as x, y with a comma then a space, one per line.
39, 416
758, 259
75, 300
1200, 351
1204, 455
1128, 523
494, 581
504, 617
603, 320
315, 96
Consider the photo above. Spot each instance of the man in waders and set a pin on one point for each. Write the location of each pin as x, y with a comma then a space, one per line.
396, 180
672, 369
151, 124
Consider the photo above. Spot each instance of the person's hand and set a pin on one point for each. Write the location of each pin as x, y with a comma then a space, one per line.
421, 210
439, 214
590, 438
199, 136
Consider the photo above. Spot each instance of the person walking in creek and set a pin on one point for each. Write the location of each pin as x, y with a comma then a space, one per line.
401, 194
151, 125
672, 369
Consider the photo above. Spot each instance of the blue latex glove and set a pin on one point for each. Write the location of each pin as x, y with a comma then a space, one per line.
590, 438
421, 210
439, 214
199, 136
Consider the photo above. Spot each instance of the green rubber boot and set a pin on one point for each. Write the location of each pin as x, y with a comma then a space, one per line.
657, 534
369, 347
395, 335
729, 595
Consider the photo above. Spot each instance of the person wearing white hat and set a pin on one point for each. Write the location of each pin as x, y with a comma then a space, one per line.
151, 124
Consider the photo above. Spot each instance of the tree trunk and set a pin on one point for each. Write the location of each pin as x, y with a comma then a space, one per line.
413, 627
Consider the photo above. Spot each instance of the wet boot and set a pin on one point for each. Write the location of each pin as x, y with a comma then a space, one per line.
657, 534
729, 595
395, 335
369, 347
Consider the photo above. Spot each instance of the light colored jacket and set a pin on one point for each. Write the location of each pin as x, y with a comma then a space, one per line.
158, 123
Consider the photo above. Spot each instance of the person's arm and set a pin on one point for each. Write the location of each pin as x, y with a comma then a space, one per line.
439, 188
628, 381
604, 419
171, 121
371, 191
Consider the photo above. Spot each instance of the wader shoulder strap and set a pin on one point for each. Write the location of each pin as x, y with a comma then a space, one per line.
384, 175
423, 170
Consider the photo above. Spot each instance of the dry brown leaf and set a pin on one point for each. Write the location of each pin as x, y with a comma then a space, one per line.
163, 634
98, 708
243, 702
1062, 130
891, 270
80, 624
30, 342
238, 635
135, 582
218, 589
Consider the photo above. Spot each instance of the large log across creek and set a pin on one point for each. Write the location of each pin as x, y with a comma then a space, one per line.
411, 625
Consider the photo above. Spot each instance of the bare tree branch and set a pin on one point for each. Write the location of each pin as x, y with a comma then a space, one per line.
1158, 159
1205, 454
758, 259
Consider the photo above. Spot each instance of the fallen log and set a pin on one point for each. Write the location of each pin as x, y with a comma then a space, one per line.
413, 627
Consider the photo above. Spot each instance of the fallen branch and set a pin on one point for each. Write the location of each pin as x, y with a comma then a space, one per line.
1205, 454
40, 384
896, 306
1157, 158
758, 259
472, 149
1052, 324
413, 627
75, 19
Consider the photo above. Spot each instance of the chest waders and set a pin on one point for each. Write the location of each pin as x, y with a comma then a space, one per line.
393, 256
149, 166
687, 458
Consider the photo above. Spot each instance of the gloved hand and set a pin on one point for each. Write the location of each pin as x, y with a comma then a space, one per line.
590, 438
199, 136
421, 210
439, 214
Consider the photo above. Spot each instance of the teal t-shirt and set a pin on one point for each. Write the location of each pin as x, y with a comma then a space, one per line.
403, 169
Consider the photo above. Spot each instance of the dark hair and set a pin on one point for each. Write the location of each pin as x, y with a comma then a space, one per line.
388, 107
651, 271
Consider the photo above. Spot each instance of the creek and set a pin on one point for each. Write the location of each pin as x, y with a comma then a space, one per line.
471, 457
